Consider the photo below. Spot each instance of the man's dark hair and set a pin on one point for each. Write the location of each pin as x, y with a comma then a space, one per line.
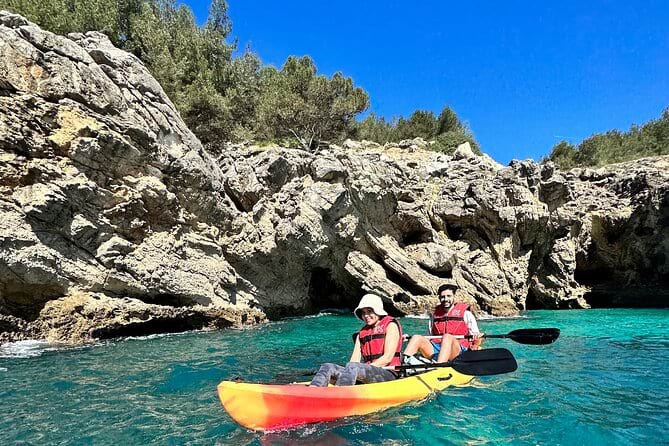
447, 286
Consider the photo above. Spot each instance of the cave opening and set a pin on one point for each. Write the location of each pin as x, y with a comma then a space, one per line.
154, 326
609, 288
454, 232
170, 300
415, 237
442, 274
532, 302
278, 312
627, 297
593, 276
25, 306
326, 293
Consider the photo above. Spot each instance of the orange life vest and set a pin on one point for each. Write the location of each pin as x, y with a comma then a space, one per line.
373, 339
452, 322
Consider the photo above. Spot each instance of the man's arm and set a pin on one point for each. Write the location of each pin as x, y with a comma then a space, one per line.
472, 325
473, 328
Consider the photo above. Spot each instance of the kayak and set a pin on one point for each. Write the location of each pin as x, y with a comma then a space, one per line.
280, 406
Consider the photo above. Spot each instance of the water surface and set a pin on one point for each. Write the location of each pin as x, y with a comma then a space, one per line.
603, 382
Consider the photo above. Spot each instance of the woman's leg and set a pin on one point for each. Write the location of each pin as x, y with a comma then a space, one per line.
356, 371
325, 373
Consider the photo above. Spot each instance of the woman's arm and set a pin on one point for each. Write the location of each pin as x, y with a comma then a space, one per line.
357, 354
389, 346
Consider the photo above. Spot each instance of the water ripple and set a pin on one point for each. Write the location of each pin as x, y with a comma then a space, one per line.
593, 386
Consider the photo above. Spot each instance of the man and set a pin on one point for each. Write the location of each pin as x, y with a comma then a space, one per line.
455, 322
378, 344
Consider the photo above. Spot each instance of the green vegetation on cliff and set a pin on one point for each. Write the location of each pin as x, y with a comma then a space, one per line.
446, 130
297, 102
614, 146
225, 97
220, 97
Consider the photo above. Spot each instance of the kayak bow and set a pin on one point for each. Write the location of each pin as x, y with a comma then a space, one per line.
272, 406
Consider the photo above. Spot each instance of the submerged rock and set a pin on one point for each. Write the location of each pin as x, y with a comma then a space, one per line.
115, 221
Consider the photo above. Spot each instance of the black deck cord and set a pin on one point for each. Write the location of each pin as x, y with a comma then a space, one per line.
426, 384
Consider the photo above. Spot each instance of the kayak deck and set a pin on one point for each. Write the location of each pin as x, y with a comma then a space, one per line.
275, 406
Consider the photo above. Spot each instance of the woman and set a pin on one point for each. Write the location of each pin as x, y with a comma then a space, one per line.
377, 345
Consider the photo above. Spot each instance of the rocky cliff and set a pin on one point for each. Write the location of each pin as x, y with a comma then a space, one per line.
114, 220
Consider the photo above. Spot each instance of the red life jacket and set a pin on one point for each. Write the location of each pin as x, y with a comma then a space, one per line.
372, 341
452, 322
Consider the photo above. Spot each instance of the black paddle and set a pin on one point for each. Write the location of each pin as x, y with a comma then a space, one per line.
530, 336
489, 361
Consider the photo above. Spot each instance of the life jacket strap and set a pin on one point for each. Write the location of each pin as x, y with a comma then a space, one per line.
373, 357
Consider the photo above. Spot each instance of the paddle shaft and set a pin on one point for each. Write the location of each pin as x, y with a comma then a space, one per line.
532, 336
485, 336
457, 336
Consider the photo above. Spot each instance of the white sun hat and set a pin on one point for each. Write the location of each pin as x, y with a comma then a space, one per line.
370, 301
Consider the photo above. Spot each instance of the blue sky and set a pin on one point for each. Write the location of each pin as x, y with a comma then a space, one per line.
524, 75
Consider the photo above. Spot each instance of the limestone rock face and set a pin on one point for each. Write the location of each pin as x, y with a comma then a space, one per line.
115, 221
102, 187
392, 223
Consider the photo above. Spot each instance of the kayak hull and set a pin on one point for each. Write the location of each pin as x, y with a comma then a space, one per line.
273, 406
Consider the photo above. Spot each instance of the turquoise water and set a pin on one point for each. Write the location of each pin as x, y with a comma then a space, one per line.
603, 382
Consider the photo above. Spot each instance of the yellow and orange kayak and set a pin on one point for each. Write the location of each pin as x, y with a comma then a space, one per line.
274, 406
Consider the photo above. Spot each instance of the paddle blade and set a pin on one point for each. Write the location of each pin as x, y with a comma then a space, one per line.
534, 336
489, 361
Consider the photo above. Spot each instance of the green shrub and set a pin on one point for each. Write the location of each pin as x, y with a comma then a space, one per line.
449, 141
446, 132
615, 146
296, 101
